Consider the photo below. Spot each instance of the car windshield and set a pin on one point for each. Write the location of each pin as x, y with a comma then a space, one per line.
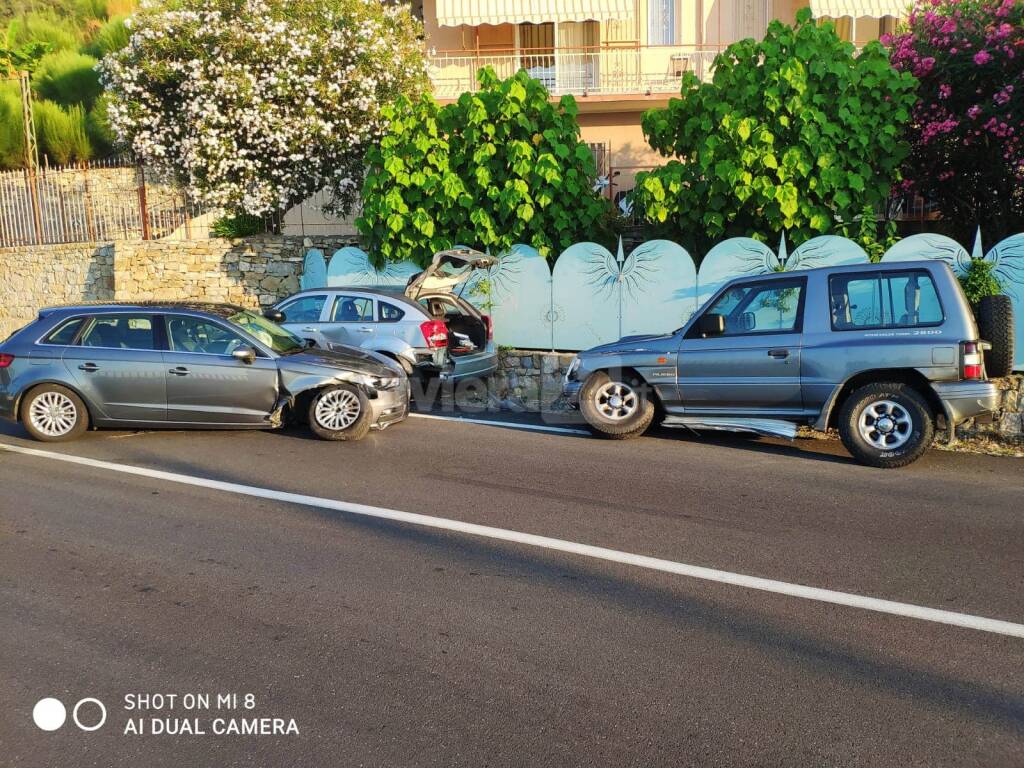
270, 333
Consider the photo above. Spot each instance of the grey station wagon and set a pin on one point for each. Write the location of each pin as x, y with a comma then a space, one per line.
884, 352
427, 327
207, 366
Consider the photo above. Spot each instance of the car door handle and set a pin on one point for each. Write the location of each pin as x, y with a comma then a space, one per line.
179, 371
311, 329
778, 354
88, 367
364, 329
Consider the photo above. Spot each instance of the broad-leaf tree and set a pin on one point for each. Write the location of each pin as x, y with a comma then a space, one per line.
967, 151
795, 133
257, 104
497, 167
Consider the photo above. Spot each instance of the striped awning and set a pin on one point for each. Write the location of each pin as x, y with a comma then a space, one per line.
452, 13
875, 9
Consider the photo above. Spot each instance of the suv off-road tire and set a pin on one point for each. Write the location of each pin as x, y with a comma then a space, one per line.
345, 394
996, 326
633, 425
909, 405
63, 399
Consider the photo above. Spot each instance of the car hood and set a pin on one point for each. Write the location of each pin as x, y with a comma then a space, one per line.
629, 344
339, 358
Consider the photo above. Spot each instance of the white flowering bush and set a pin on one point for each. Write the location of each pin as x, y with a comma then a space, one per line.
254, 105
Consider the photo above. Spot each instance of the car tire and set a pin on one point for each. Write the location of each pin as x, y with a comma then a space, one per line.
886, 425
51, 413
341, 412
996, 326
627, 417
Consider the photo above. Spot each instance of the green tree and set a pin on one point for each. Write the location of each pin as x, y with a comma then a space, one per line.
794, 133
497, 167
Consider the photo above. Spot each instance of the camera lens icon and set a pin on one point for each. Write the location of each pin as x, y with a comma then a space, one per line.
49, 714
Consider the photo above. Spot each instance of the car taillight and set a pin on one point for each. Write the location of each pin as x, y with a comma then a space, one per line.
435, 332
490, 327
970, 354
6, 360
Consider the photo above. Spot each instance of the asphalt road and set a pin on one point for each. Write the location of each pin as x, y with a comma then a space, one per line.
391, 644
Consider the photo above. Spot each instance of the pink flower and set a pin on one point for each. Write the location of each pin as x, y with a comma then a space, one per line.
982, 57
944, 91
973, 112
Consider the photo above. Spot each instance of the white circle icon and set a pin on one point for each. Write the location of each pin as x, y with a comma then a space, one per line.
49, 714
99, 724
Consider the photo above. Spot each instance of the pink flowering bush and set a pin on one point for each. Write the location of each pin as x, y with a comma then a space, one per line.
967, 145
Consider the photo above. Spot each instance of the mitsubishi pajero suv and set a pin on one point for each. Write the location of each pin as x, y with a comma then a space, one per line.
885, 353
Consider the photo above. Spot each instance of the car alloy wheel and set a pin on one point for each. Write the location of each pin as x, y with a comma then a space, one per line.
616, 401
885, 425
53, 414
337, 409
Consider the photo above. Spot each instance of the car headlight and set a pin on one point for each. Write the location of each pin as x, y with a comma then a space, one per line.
574, 366
378, 382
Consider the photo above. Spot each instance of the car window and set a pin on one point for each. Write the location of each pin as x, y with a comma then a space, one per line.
772, 307
199, 336
277, 337
306, 309
438, 307
64, 333
352, 309
120, 332
389, 313
884, 300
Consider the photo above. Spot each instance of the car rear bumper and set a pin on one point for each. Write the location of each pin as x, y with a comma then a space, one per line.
967, 399
459, 367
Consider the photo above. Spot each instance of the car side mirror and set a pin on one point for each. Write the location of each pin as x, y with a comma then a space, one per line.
711, 324
274, 315
245, 355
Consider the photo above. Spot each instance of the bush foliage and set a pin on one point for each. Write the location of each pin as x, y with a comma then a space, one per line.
59, 42
497, 167
794, 133
967, 145
256, 106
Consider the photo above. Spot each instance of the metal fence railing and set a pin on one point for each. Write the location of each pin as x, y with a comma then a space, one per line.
107, 200
580, 71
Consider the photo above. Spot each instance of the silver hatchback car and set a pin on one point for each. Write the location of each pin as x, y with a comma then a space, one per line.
427, 327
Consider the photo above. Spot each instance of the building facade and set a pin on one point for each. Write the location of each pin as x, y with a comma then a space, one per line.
618, 58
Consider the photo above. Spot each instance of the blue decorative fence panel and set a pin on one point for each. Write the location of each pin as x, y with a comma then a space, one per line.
351, 266
519, 299
659, 288
586, 298
594, 297
314, 270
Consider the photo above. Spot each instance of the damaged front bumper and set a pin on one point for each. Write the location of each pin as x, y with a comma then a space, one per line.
390, 406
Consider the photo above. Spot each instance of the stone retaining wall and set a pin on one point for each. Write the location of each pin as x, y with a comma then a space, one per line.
252, 272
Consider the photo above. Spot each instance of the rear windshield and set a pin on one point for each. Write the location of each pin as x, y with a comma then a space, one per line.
905, 299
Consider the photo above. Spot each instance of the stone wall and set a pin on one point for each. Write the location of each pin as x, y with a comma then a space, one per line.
532, 381
31, 278
251, 272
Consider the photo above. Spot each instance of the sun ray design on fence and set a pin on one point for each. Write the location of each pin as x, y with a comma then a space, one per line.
592, 296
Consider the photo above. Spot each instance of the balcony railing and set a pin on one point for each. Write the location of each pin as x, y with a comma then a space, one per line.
637, 70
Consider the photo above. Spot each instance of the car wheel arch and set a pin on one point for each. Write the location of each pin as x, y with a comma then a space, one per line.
90, 408
909, 376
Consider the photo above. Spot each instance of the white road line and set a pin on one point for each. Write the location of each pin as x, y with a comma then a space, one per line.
510, 424
981, 623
